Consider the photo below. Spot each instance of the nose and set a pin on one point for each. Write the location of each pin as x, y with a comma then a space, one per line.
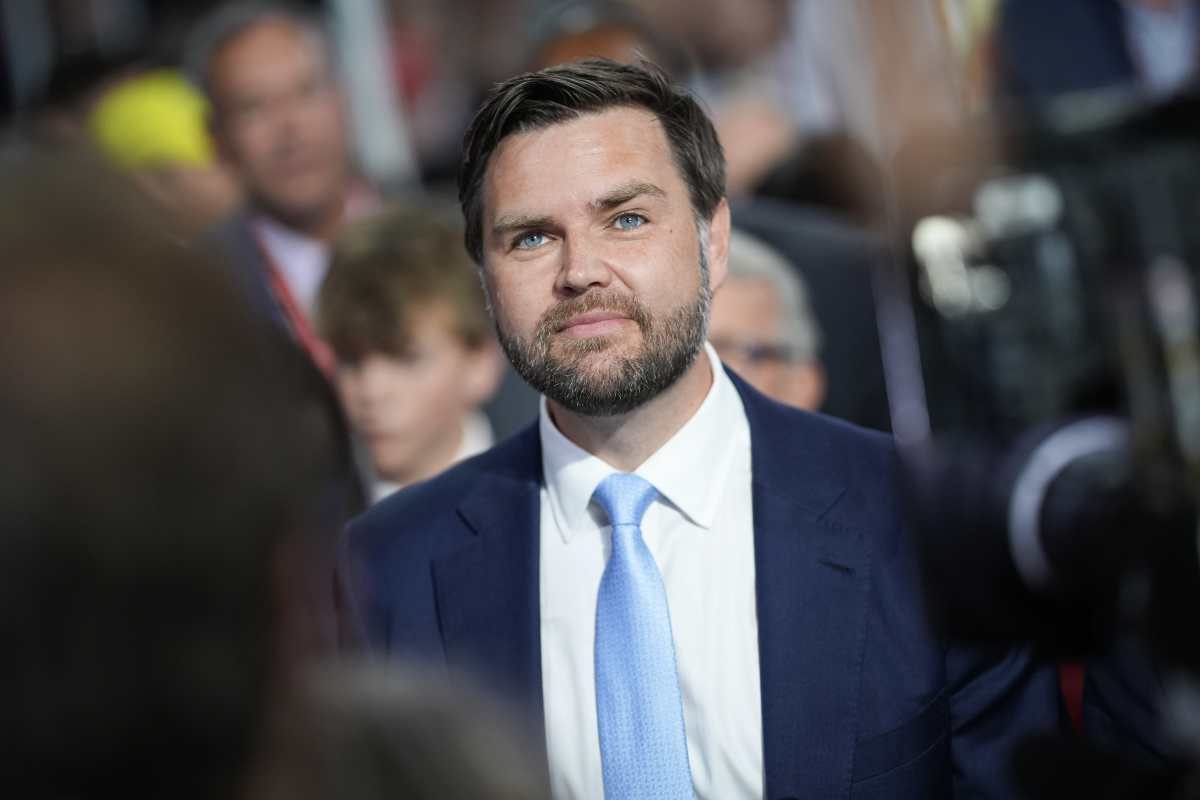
582, 268
374, 383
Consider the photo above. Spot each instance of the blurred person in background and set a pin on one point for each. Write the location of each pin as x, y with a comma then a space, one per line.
404, 313
1046, 50
172, 479
279, 121
835, 260
763, 327
155, 125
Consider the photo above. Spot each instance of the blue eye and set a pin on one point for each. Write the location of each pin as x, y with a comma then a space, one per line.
629, 222
530, 241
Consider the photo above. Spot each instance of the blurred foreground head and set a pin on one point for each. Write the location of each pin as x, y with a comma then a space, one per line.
381, 731
162, 447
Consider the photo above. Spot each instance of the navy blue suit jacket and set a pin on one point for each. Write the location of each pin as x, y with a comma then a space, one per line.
859, 698
246, 262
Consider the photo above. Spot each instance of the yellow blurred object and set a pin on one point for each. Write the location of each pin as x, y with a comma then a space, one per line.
150, 120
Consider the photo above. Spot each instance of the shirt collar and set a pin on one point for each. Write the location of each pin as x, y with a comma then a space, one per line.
571, 474
276, 236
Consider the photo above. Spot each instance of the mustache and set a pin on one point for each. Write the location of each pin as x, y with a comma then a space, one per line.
596, 300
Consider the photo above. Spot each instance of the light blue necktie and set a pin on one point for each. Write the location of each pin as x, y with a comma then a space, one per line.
639, 709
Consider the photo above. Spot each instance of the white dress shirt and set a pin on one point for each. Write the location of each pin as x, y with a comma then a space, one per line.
701, 534
302, 260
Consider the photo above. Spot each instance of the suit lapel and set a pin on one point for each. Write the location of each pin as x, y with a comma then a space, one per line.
487, 591
249, 267
811, 582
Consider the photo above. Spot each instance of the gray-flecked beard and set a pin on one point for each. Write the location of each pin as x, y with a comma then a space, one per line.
559, 367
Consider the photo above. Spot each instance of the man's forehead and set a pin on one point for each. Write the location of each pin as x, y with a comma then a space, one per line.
585, 157
267, 39
613, 126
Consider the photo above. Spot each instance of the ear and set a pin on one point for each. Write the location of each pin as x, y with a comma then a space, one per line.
484, 372
718, 245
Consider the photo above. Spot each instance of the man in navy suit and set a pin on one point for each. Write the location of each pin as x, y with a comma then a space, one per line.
775, 610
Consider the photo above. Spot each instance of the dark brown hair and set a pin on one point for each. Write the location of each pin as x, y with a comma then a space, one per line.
558, 94
385, 268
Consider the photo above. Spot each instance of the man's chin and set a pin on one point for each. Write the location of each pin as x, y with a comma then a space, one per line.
300, 209
571, 350
598, 360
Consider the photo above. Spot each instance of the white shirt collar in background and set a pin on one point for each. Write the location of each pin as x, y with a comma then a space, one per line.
302, 259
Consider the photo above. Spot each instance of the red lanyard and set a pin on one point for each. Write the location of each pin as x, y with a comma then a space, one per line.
297, 320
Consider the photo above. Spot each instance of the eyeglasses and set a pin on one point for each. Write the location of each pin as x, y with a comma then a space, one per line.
756, 352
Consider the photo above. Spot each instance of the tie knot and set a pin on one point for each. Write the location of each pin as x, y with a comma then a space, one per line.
625, 498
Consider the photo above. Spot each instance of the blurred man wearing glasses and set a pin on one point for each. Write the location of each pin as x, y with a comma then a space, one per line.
763, 326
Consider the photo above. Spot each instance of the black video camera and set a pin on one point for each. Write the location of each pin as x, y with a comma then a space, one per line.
1041, 335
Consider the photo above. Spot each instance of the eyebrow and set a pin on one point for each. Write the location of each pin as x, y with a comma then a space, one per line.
626, 192
507, 225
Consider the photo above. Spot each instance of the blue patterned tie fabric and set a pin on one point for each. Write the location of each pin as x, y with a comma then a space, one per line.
639, 708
